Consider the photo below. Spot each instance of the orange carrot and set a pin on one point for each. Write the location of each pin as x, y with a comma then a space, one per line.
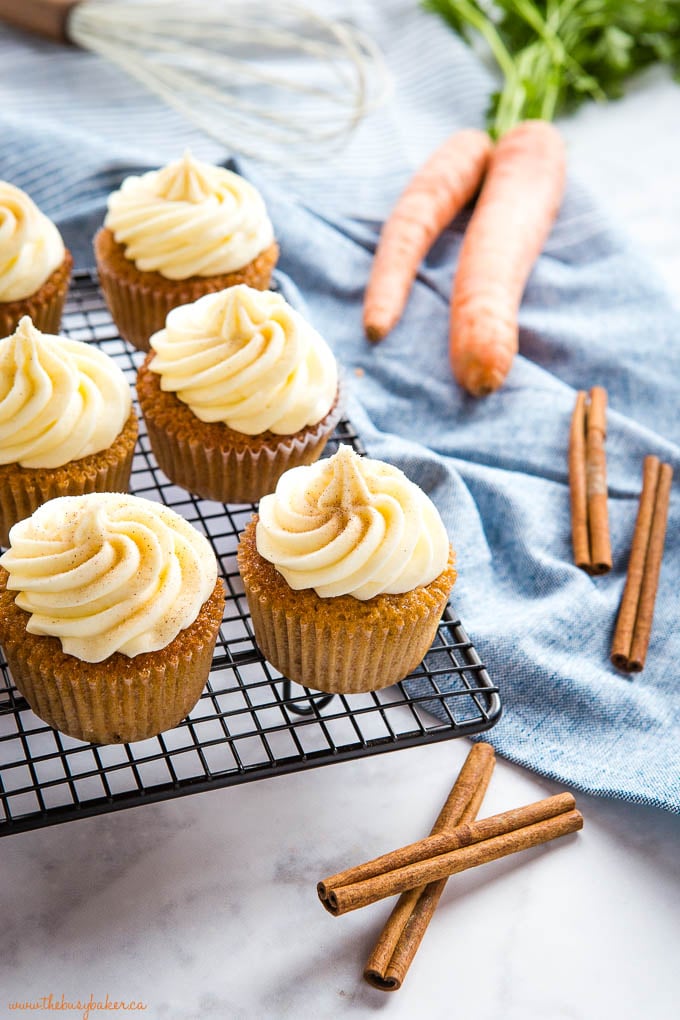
515, 211
435, 194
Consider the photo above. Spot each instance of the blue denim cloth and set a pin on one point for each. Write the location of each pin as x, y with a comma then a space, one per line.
593, 313
497, 470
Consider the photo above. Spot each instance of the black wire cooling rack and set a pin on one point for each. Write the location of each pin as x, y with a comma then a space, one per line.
250, 722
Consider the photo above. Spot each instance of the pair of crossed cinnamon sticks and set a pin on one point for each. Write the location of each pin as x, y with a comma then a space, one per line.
590, 526
419, 871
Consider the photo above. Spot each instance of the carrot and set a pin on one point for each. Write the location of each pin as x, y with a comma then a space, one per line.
437, 191
515, 211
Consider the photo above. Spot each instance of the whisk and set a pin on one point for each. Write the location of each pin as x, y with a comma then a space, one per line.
265, 78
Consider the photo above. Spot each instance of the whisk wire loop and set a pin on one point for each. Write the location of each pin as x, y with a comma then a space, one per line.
266, 79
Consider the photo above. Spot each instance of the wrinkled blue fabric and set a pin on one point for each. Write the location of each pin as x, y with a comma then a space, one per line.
497, 470
593, 313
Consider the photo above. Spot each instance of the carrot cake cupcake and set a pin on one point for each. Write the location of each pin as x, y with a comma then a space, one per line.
238, 387
35, 267
174, 234
347, 569
110, 605
67, 425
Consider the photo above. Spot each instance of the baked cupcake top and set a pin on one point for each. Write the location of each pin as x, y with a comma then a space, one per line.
349, 525
31, 247
60, 399
189, 219
246, 358
108, 572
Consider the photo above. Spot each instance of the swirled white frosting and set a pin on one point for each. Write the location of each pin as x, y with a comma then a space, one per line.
246, 358
60, 399
189, 219
31, 247
108, 572
351, 526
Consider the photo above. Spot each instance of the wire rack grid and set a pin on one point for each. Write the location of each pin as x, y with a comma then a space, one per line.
250, 722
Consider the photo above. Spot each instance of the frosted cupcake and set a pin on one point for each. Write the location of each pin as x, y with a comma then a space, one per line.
174, 234
347, 570
35, 267
109, 609
237, 389
67, 425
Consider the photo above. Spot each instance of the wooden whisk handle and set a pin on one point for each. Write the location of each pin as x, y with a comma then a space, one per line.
45, 17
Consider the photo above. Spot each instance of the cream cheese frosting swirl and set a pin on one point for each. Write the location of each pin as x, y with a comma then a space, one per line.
349, 525
108, 572
189, 219
246, 358
31, 247
60, 399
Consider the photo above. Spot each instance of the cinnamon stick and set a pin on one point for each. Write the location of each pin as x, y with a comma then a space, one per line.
577, 483
588, 482
444, 854
403, 932
636, 612
596, 482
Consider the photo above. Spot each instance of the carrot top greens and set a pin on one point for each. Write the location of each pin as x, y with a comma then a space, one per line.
553, 54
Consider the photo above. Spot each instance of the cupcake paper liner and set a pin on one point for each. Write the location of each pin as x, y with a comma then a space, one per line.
44, 307
121, 699
139, 302
233, 475
348, 661
23, 490
212, 460
339, 645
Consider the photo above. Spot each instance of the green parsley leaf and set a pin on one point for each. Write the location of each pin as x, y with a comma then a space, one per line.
554, 54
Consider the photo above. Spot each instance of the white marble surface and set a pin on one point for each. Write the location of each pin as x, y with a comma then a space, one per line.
205, 907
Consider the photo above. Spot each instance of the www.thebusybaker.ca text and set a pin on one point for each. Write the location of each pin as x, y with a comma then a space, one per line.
83, 1006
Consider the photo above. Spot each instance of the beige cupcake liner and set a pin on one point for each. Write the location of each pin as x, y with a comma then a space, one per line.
140, 306
114, 710
136, 311
339, 645
23, 490
236, 474
341, 659
115, 701
45, 307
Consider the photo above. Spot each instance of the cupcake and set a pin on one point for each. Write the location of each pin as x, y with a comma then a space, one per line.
238, 388
347, 569
66, 422
174, 234
35, 267
110, 605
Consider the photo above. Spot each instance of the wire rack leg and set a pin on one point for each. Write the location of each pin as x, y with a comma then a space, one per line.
316, 701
